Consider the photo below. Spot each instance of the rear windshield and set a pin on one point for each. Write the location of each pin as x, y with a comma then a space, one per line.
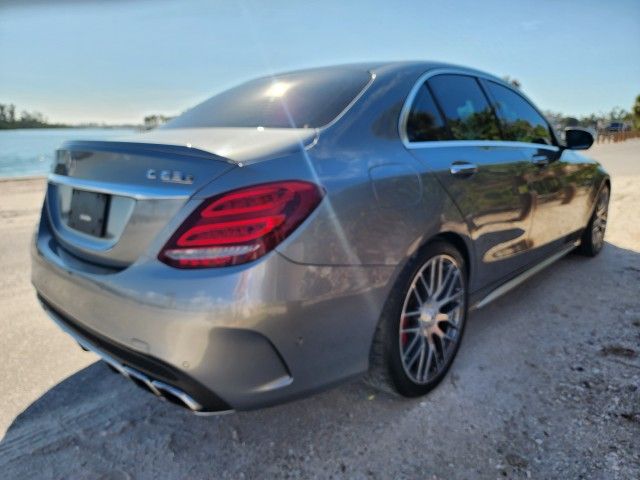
308, 99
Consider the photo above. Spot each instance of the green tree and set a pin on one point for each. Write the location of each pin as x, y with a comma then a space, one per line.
571, 122
153, 121
617, 114
9, 118
636, 113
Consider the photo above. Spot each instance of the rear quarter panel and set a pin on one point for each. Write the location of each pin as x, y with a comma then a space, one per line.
382, 204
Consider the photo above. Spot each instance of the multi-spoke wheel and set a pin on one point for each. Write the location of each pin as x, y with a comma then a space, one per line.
431, 318
593, 236
422, 324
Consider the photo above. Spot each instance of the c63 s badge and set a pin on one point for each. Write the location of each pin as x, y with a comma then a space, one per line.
170, 176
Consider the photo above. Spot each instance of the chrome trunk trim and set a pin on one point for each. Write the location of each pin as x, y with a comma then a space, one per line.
138, 192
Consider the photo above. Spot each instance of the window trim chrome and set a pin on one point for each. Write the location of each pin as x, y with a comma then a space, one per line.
406, 108
336, 119
479, 144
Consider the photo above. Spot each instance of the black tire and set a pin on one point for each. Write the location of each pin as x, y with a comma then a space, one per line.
592, 239
386, 370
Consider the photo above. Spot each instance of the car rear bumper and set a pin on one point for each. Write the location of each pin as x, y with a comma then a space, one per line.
230, 338
149, 373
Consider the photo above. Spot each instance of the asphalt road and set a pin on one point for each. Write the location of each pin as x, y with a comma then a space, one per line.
546, 385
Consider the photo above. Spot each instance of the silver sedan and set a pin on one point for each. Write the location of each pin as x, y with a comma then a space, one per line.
308, 228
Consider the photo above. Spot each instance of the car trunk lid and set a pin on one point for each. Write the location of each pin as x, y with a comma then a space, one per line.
107, 201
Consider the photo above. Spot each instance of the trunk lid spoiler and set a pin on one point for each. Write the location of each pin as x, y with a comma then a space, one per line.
238, 145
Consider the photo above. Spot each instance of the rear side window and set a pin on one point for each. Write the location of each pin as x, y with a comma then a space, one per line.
425, 122
467, 111
308, 99
520, 121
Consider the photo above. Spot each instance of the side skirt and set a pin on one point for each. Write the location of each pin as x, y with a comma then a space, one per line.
517, 280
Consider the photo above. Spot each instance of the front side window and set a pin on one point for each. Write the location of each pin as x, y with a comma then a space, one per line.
467, 111
425, 122
520, 121
307, 99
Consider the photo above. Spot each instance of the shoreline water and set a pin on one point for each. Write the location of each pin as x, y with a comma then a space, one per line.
75, 127
30, 152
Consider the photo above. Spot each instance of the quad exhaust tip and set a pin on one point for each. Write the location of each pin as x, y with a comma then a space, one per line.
158, 388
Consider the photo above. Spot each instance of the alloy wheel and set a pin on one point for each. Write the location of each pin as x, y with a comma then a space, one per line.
432, 316
600, 219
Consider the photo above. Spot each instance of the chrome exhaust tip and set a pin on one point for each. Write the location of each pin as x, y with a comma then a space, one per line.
175, 395
141, 380
158, 388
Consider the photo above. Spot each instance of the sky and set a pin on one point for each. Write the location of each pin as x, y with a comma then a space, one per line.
117, 61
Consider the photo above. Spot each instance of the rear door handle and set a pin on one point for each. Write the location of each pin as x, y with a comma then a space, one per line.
463, 169
540, 160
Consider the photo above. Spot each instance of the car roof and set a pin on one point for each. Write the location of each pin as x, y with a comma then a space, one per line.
386, 67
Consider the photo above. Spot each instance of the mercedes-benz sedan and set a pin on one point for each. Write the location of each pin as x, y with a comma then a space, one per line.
308, 228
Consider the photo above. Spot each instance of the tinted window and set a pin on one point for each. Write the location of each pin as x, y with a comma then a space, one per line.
298, 100
425, 122
468, 114
520, 121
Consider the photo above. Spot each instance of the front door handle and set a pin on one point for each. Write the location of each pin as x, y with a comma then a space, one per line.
463, 169
540, 160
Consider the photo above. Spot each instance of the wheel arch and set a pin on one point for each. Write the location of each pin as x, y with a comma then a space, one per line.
459, 241
460, 244
605, 181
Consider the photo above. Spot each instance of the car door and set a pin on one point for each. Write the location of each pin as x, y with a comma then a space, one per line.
452, 128
560, 199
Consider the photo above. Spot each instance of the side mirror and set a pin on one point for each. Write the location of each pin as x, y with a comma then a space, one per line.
578, 138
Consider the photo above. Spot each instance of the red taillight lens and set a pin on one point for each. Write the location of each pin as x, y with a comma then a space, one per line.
242, 225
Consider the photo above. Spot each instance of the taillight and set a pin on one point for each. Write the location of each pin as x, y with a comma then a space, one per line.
241, 225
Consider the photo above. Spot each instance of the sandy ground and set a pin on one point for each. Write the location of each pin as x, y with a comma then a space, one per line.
546, 385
